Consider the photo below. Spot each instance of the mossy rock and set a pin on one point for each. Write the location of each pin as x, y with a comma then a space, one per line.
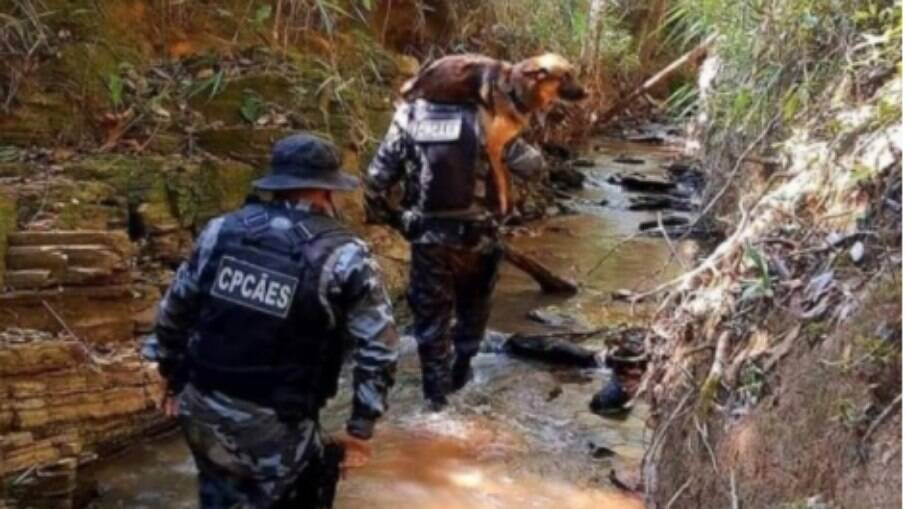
201, 192
132, 177
170, 191
68, 90
40, 118
225, 106
246, 144
93, 206
15, 170
72, 205
7, 224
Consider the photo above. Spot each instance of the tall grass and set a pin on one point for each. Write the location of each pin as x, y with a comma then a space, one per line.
515, 29
780, 57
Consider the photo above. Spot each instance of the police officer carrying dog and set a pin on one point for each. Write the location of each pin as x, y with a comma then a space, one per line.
437, 151
253, 331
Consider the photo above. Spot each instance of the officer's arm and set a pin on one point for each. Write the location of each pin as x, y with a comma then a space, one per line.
367, 317
178, 312
386, 170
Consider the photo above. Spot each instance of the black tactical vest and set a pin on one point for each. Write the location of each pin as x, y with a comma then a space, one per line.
449, 137
263, 333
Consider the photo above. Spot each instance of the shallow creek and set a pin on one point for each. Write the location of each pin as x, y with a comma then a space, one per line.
520, 435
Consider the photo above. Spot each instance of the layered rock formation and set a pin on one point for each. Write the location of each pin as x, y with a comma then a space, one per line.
71, 383
126, 127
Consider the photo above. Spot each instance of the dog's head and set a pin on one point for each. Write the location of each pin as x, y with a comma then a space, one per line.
541, 80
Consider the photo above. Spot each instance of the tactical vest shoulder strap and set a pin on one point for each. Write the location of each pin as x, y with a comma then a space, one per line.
255, 219
314, 226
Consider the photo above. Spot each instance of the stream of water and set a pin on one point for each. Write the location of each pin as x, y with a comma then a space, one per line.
520, 435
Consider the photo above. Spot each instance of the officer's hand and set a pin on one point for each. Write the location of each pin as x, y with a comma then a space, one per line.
170, 406
169, 403
357, 451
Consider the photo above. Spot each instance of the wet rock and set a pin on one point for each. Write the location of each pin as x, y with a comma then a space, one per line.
553, 316
599, 452
567, 178
668, 222
642, 183
494, 341
583, 163
558, 150
652, 132
628, 160
551, 350
688, 175
659, 203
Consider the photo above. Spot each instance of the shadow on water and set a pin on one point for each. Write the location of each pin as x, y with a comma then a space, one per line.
520, 435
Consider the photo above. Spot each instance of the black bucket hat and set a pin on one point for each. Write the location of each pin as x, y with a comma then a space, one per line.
305, 161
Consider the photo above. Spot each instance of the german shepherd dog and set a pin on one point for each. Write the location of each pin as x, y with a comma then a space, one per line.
508, 95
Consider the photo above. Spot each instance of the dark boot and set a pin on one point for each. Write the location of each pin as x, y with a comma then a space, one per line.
435, 360
462, 373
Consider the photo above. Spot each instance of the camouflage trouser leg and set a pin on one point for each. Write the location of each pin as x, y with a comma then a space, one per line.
246, 456
473, 300
443, 279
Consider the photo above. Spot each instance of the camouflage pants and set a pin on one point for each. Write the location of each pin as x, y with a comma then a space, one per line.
246, 456
445, 280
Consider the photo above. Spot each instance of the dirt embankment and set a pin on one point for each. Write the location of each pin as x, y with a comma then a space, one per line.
775, 378
125, 127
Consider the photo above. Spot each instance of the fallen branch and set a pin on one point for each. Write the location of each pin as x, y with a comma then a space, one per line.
660, 225
883, 415
728, 246
657, 78
679, 493
652, 454
86, 350
549, 282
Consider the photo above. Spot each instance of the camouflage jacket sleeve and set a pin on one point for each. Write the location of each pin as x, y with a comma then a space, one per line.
359, 298
178, 311
387, 168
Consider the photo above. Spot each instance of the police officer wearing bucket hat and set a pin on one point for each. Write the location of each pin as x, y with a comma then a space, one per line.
253, 330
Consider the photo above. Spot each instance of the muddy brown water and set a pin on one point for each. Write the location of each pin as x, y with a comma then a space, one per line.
520, 435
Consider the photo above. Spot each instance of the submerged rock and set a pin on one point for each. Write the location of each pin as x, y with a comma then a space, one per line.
553, 316
552, 350
567, 177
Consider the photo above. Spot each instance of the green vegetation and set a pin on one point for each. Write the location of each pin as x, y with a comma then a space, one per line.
781, 59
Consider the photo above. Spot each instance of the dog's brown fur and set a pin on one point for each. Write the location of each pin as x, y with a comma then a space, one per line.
507, 93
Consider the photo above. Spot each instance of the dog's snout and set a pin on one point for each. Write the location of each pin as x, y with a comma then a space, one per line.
572, 91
